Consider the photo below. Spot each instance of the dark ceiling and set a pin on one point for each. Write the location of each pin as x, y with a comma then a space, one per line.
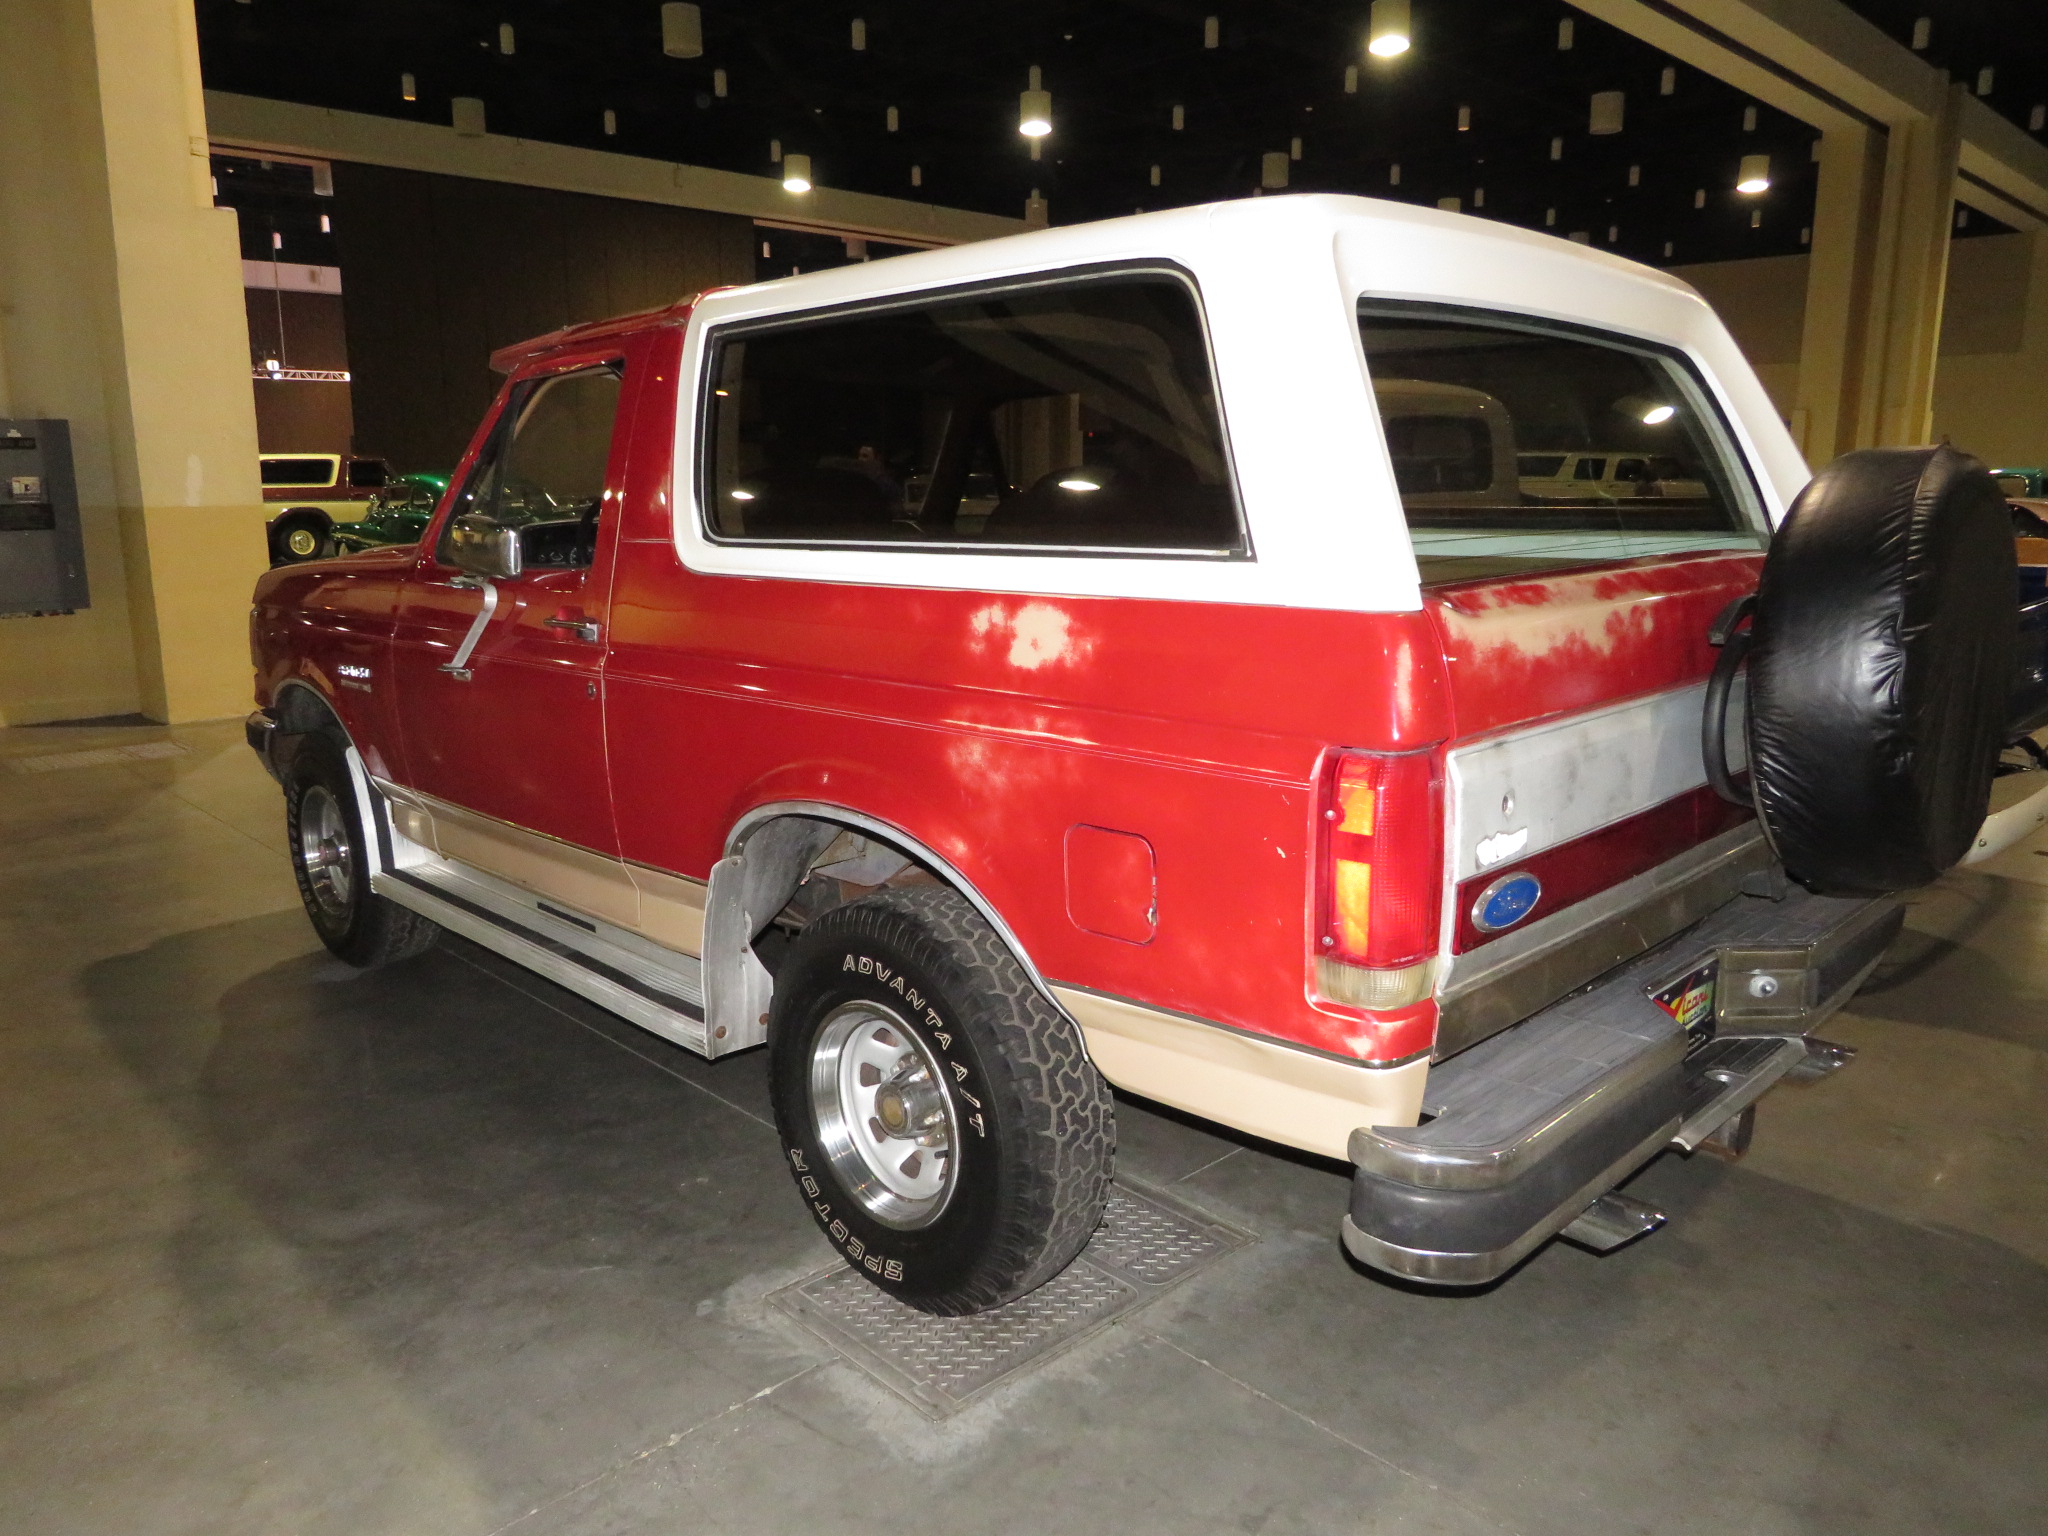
1661, 190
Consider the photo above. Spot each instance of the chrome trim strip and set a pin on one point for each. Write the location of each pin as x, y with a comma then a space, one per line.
1428, 1167
1505, 981
1248, 1034
560, 969
1479, 1268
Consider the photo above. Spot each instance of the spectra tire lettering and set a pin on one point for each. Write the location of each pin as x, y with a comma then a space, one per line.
859, 1252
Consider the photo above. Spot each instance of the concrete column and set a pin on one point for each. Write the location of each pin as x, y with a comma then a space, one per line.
121, 310
1838, 283
1904, 333
1874, 289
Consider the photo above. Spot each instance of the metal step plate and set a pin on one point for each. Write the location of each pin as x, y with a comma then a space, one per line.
1146, 1245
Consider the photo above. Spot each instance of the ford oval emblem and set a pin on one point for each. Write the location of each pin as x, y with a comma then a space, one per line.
1506, 902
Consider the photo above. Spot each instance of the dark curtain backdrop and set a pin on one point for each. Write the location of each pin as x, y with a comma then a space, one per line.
438, 271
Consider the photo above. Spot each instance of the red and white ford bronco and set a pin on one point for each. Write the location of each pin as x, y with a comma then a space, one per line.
1137, 654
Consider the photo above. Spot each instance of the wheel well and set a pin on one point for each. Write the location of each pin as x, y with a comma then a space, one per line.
822, 857
302, 712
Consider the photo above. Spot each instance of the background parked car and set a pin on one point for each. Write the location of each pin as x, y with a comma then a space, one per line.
396, 513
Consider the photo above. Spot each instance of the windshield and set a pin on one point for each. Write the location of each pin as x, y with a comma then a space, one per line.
1519, 447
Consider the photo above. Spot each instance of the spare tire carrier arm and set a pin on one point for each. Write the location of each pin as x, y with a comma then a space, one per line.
1730, 636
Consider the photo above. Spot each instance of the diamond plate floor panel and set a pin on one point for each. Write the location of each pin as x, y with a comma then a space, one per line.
1146, 1245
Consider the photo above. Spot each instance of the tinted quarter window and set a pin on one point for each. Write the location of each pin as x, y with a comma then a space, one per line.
1078, 415
1517, 446
307, 473
543, 470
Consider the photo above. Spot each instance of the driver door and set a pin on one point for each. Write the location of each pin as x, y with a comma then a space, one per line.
500, 683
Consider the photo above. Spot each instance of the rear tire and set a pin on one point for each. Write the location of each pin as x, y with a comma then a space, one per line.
940, 1116
305, 536
331, 860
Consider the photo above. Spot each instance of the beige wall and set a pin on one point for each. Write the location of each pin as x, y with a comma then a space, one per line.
1991, 385
121, 310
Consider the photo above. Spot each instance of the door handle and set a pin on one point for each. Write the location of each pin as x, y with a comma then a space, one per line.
584, 629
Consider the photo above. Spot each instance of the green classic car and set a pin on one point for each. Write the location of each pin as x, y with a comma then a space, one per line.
397, 514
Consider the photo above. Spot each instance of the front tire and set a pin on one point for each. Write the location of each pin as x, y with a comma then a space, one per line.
940, 1116
331, 859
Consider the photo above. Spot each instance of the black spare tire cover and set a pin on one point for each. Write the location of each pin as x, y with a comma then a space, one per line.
1884, 643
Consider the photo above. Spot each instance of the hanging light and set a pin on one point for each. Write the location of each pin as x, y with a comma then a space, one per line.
508, 40
1389, 31
718, 82
796, 173
1755, 175
611, 122
407, 89
682, 31
1036, 212
1273, 170
1034, 109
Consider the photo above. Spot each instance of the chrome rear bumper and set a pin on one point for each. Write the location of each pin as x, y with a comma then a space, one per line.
1534, 1125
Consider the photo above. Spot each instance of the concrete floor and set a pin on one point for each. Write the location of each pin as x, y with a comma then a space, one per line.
443, 1250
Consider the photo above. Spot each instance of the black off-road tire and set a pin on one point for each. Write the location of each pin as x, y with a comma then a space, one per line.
1036, 1130
358, 925
1882, 662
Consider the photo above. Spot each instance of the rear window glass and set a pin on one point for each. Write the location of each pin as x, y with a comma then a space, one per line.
1074, 416
1519, 447
312, 470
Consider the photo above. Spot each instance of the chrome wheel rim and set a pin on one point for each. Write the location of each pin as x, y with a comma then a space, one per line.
301, 542
885, 1121
324, 851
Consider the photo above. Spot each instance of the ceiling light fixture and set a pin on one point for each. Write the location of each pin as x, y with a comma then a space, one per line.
1076, 483
796, 173
1657, 415
1034, 109
682, 31
1389, 35
1755, 175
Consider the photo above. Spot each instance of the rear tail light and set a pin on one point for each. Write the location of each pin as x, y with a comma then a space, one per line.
1379, 879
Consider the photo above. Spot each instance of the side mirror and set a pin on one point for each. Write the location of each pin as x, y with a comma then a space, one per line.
484, 547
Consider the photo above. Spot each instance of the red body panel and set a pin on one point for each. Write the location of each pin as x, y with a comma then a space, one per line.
1572, 871
1533, 647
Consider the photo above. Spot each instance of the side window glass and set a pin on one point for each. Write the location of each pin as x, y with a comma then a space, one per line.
543, 470
1077, 416
1517, 445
